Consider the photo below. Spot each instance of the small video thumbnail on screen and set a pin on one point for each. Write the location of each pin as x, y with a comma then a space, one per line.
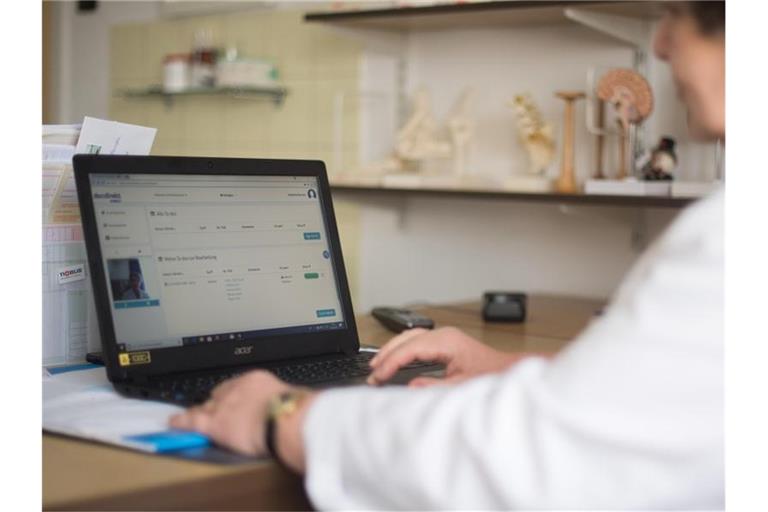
126, 279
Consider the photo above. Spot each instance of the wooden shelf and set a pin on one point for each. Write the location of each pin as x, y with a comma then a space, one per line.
276, 94
578, 199
494, 13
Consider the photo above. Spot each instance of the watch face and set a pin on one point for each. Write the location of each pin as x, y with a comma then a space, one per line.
285, 403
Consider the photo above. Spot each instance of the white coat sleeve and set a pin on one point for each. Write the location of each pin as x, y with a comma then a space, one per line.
628, 416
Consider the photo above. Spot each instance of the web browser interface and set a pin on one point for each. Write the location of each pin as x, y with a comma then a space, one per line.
205, 259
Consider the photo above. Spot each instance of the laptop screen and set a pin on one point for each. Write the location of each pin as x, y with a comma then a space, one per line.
195, 259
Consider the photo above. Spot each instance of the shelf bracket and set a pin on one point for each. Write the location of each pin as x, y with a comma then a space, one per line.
640, 236
628, 30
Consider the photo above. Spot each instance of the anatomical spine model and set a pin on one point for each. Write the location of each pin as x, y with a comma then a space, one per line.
534, 133
422, 138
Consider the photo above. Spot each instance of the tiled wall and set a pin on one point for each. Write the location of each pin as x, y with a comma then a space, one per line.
315, 64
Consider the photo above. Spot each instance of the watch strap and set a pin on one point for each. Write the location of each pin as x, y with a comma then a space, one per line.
270, 435
280, 405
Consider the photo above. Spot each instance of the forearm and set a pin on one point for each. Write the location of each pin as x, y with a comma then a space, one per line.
290, 443
399, 448
542, 435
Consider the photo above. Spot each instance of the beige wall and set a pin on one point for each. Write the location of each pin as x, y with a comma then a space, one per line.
314, 63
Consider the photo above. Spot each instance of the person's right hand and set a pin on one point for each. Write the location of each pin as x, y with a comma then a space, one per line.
462, 355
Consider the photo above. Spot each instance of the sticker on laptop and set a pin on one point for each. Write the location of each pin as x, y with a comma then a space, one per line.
133, 358
71, 273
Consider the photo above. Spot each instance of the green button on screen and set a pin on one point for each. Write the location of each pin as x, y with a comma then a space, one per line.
311, 275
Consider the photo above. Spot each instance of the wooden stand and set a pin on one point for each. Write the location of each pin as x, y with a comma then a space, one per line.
623, 142
599, 174
566, 183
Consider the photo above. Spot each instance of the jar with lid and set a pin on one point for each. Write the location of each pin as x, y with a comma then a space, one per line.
176, 72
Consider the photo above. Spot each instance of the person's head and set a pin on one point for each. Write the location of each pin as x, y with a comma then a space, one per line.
135, 278
691, 37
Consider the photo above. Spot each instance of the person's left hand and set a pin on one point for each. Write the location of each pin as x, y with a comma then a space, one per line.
236, 413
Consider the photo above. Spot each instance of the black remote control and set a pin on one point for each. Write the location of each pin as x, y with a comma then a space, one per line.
399, 320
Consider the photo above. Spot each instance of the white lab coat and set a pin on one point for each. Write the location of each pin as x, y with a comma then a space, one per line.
628, 416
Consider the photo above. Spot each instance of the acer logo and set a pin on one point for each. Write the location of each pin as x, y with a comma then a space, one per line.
241, 351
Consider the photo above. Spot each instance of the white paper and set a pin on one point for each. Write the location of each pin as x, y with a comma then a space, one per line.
51, 178
84, 404
99, 136
69, 319
58, 153
63, 206
62, 233
65, 305
66, 134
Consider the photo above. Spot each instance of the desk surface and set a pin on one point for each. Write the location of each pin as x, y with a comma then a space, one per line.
79, 475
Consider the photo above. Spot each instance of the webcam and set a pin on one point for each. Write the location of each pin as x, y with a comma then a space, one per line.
210, 164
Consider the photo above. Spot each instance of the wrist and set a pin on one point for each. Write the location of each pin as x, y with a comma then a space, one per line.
289, 439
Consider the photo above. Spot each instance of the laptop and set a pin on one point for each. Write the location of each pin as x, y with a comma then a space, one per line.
205, 268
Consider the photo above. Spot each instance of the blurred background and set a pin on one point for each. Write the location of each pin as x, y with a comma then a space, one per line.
336, 81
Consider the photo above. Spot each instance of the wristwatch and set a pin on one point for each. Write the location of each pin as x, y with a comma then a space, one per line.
284, 404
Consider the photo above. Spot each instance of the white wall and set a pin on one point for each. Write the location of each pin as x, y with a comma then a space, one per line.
435, 250
426, 249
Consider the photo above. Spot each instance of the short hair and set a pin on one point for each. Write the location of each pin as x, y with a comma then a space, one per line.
709, 16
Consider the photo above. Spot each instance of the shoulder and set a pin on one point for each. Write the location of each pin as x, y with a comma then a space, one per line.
696, 237
704, 220
686, 263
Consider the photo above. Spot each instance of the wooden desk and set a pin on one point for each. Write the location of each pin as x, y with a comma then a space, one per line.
78, 475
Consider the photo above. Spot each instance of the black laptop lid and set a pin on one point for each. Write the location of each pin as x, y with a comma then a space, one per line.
209, 262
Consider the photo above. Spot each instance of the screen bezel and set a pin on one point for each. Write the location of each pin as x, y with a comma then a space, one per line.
222, 353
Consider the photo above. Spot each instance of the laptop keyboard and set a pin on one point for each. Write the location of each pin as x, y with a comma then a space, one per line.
332, 369
195, 389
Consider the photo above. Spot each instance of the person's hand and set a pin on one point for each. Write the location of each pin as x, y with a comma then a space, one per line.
236, 414
464, 357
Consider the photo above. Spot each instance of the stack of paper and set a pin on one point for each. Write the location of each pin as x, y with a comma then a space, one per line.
65, 134
69, 316
79, 401
59, 141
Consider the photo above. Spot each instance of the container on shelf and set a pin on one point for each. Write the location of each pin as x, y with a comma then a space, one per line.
203, 60
176, 72
242, 72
